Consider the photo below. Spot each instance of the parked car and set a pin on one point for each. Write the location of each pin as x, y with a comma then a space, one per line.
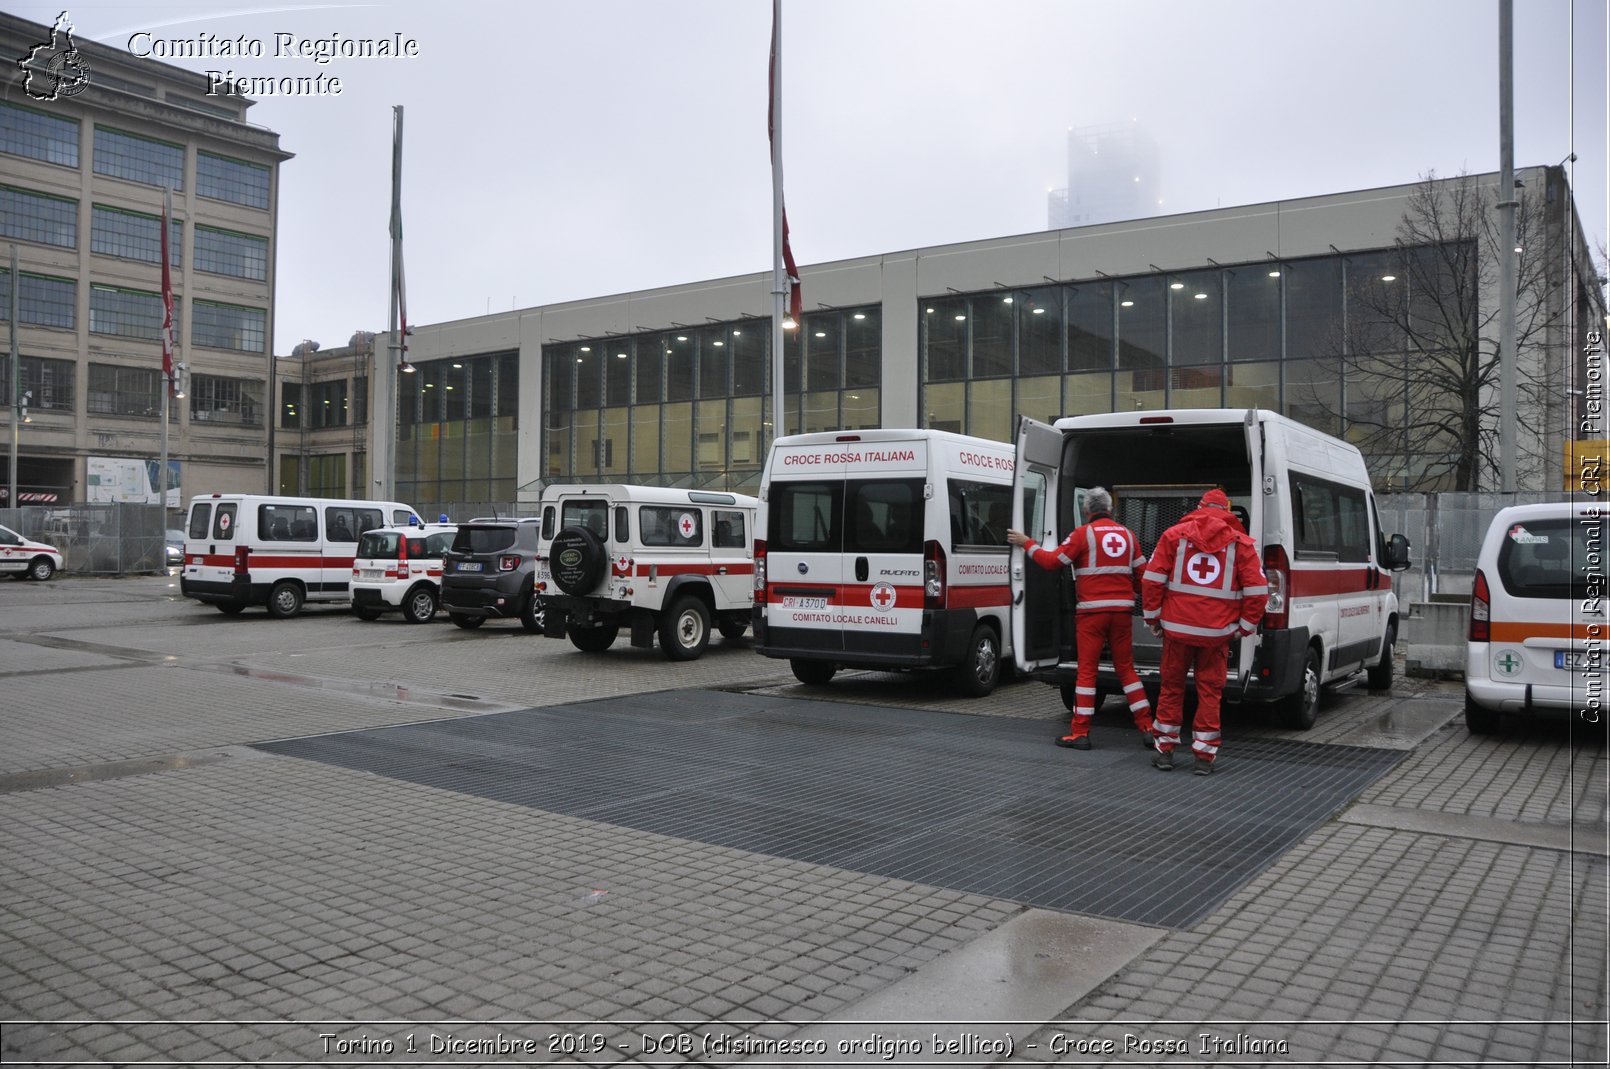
400, 569
487, 573
174, 550
1536, 645
24, 558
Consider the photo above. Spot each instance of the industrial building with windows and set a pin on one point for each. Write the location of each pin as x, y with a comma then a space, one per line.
81, 200
1282, 306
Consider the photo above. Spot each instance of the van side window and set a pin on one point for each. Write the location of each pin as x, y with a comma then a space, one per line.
547, 523
729, 530
673, 525
399, 518
1352, 525
806, 516
885, 516
223, 525
200, 519
287, 523
980, 513
623, 529
338, 525
1314, 509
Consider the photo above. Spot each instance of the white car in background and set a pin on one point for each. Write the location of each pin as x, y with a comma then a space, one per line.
400, 569
23, 558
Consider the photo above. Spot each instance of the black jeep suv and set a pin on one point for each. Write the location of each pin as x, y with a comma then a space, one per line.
487, 573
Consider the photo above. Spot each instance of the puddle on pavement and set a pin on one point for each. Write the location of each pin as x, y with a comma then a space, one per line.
385, 691
1402, 726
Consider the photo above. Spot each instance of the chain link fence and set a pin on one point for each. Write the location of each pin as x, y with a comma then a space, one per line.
97, 539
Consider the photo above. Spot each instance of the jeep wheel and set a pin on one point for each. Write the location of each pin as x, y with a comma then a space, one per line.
685, 629
813, 673
1380, 674
1480, 721
420, 605
285, 600
594, 639
1297, 711
732, 628
977, 675
364, 612
468, 623
578, 560
531, 615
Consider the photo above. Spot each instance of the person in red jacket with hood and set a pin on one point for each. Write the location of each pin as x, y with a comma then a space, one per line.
1106, 561
1203, 588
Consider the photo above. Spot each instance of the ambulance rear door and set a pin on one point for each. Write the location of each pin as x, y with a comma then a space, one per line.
1038, 595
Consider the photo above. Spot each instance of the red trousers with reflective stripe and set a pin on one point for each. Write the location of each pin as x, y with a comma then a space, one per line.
1109, 629
1211, 664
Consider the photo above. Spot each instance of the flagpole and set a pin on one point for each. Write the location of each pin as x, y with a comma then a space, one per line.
396, 344
779, 285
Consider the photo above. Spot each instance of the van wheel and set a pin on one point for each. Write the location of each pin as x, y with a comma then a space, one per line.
41, 569
594, 639
813, 673
468, 623
285, 600
1298, 711
731, 628
531, 615
231, 608
1480, 721
978, 674
1379, 674
363, 612
420, 605
685, 629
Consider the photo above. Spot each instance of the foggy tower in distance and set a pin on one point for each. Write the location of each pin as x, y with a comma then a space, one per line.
1113, 174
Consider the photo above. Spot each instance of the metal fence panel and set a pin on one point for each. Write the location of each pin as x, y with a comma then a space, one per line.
116, 539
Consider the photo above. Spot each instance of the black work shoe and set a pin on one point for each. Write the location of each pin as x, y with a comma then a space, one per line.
1164, 761
1147, 741
1081, 743
1204, 767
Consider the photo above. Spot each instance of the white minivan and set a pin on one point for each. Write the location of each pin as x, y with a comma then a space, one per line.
255, 549
885, 549
1537, 616
1332, 612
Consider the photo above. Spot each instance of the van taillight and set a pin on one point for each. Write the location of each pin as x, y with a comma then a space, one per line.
1277, 568
760, 571
933, 576
1481, 610
241, 553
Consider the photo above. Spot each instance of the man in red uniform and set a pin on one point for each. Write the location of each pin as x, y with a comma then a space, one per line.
1106, 560
1203, 588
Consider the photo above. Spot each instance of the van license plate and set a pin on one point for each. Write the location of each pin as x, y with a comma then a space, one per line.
469, 566
1570, 660
792, 602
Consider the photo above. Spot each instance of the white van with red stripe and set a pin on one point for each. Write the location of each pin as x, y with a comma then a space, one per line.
282, 552
1332, 612
885, 549
651, 559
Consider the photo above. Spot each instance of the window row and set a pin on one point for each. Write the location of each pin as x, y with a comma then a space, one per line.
134, 235
50, 381
126, 313
832, 350
39, 217
135, 158
1272, 310
327, 405
469, 461
218, 399
459, 388
42, 300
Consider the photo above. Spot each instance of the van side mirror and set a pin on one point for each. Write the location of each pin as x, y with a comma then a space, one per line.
1397, 553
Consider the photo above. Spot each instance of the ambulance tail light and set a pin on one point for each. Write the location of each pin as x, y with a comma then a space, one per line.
1481, 610
241, 553
933, 576
760, 571
1277, 614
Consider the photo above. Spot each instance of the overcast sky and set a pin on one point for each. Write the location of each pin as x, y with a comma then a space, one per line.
564, 150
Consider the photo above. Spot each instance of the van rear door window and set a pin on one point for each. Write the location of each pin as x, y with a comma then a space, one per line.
200, 519
593, 515
223, 524
806, 516
885, 516
1551, 559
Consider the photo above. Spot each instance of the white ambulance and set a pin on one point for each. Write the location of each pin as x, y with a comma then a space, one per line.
1332, 612
251, 549
885, 549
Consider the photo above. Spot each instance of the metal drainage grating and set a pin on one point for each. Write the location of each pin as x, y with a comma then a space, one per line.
972, 803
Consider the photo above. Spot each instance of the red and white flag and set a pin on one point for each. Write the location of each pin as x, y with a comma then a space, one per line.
774, 137
167, 292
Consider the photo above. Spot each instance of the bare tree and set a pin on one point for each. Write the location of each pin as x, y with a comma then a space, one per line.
1419, 348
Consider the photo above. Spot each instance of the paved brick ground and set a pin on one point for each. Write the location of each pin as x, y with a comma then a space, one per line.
264, 889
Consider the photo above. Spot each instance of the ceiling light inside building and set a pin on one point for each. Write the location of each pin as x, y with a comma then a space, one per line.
1274, 274
1126, 304
1201, 296
1039, 311
860, 315
1177, 286
1389, 278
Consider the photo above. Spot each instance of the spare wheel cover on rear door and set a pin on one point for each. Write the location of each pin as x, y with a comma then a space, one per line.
577, 560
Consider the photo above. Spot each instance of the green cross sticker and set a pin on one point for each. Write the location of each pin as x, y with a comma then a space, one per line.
1508, 664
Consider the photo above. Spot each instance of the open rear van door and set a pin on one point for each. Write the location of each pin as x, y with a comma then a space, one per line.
1260, 499
1037, 595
